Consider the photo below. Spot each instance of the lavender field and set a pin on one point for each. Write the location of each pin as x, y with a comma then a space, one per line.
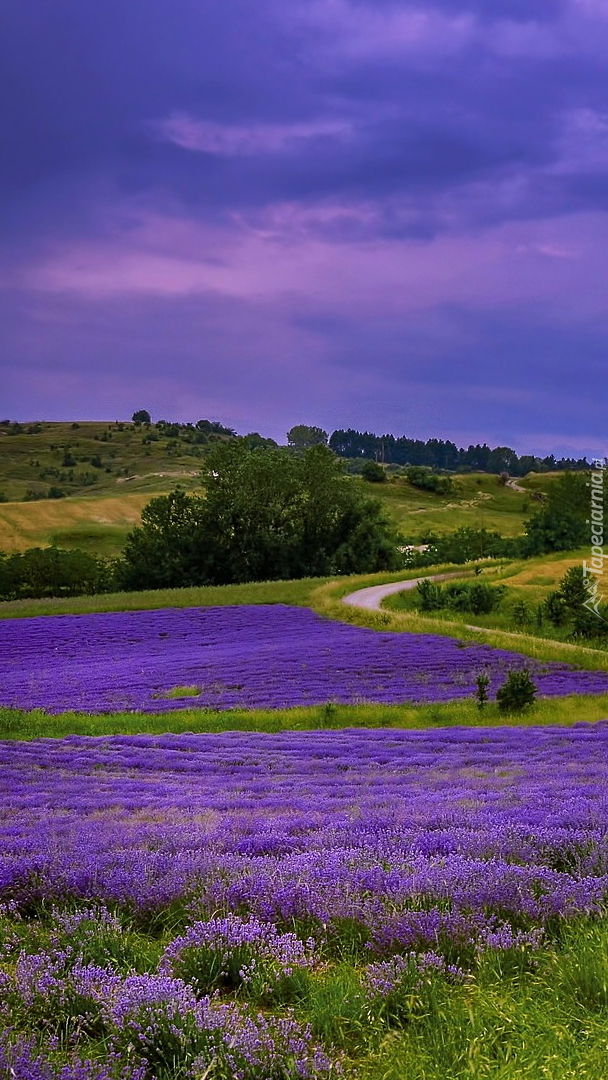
266, 656
178, 904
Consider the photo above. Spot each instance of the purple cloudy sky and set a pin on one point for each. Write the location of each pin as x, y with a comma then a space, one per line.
386, 215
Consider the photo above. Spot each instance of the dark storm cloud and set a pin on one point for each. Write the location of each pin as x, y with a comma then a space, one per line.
87, 82
404, 199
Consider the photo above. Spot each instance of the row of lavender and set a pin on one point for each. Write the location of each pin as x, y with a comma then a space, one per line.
268, 856
253, 657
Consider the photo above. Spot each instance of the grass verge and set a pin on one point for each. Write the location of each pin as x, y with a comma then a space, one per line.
16, 724
326, 599
257, 592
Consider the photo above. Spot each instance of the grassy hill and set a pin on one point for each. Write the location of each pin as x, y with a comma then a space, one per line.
107, 473
477, 500
96, 459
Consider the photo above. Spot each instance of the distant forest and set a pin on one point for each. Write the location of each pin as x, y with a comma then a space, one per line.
436, 454
441, 454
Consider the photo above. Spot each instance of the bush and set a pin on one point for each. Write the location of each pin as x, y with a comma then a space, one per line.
427, 480
477, 598
555, 609
373, 473
430, 596
481, 694
517, 693
466, 544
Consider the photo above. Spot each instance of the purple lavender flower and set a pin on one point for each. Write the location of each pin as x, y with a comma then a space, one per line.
249, 656
429, 845
235, 952
407, 972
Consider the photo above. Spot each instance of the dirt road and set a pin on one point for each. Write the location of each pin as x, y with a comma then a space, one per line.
372, 598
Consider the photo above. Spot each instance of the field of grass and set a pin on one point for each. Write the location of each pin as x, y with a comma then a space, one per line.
98, 525
36, 459
477, 500
99, 520
115, 472
573, 709
544, 1023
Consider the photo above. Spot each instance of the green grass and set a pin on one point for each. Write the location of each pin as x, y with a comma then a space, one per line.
548, 1023
257, 592
16, 724
105, 540
34, 462
516, 1016
99, 525
477, 500
182, 692
529, 581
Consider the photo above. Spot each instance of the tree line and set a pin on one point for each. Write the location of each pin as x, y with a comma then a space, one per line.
444, 454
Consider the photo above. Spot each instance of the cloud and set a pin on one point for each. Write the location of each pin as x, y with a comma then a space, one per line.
369, 202
229, 140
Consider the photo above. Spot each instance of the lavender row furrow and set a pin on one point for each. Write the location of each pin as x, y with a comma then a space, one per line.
245, 657
414, 834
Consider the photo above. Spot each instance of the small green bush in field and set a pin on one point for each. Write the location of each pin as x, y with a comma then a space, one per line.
478, 597
430, 597
373, 473
517, 693
481, 694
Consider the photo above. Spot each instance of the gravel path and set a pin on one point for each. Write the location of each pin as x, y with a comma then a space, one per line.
372, 598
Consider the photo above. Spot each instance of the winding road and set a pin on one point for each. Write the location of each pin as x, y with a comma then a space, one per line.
371, 600
372, 597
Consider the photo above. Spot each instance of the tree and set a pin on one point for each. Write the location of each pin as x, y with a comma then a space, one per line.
142, 416
571, 604
373, 473
266, 514
561, 523
254, 439
167, 550
302, 437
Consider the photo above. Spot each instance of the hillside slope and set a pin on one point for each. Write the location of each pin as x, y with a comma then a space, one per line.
84, 484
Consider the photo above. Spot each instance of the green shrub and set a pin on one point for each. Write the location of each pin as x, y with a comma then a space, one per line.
481, 694
479, 598
430, 596
373, 473
427, 480
517, 693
